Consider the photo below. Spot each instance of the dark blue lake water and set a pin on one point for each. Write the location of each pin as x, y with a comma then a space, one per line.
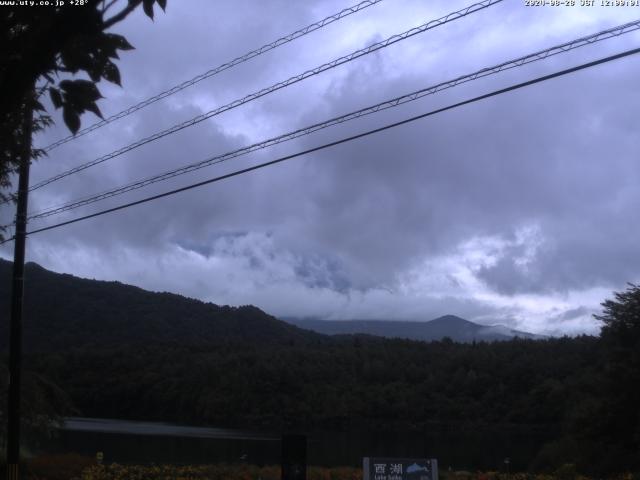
150, 442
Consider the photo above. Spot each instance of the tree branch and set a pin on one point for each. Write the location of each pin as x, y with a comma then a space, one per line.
108, 6
122, 14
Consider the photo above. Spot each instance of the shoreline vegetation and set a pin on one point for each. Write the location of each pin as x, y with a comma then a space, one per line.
77, 467
115, 351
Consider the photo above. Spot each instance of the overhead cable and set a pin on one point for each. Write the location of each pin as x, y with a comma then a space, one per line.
220, 68
341, 141
277, 86
533, 57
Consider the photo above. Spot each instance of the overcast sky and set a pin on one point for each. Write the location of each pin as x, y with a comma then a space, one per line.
521, 209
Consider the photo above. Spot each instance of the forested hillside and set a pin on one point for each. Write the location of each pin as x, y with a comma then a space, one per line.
62, 311
350, 382
121, 352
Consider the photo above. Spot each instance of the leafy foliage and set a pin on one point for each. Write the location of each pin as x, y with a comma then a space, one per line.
211, 472
59, 467
12, 142
44, 43
40, 44
618, 411
43, 404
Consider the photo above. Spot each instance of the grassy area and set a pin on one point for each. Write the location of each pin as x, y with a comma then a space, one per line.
76, 467
213, 472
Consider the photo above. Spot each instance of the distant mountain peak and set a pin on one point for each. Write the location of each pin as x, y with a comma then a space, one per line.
450, 319
451, 326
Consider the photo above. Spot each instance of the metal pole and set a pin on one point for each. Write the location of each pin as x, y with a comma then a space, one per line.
17, 292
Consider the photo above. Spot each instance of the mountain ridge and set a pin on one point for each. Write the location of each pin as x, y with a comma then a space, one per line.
456, 328
63, 311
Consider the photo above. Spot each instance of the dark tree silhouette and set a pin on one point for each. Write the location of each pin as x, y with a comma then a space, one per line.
37, 45
620, 337
43, 405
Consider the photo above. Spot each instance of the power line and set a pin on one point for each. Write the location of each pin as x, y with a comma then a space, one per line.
220, 68
277, 86
533, 57
343, 140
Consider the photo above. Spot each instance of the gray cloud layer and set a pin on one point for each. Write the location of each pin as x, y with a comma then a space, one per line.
519, 209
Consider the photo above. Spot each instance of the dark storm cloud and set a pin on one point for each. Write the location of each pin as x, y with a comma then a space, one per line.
426, 190
497, 211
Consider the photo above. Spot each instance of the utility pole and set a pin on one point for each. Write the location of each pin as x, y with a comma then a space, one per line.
17, 293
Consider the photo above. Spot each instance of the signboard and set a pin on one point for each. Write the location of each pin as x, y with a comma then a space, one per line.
400, 469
